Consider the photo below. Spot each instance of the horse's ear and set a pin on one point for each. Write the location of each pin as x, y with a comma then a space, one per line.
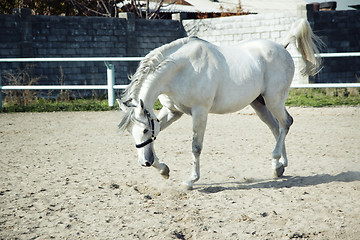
122, 106
142, 104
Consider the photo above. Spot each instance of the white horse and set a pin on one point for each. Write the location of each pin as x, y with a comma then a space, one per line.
195, 77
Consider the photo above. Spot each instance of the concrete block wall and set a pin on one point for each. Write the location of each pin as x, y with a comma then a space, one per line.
26, 35
151, 34
340, 30
142, 36
55, 36
232, 30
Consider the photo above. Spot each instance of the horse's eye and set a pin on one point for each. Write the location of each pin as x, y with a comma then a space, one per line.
145, 131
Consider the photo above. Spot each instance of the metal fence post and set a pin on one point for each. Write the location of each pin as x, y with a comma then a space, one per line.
110, 83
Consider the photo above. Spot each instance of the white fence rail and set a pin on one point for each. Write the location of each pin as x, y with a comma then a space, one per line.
110, 87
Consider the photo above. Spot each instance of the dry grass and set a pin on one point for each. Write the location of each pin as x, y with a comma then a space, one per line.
23, 77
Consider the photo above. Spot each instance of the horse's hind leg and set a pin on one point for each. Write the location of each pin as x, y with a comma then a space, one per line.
279, 121
266, 116
285, 121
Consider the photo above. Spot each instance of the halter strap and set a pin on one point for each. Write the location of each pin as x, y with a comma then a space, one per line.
151, 122
150, 140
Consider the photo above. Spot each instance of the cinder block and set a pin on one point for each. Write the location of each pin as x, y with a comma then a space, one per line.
262, 29
265, 35
345, 44
255, 23
274, 34
246, 36
255, 35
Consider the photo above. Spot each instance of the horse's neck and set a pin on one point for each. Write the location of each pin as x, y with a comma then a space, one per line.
149, 93
155, 85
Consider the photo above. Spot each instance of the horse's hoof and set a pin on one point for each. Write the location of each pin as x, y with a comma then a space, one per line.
279, 171
186, 186
165, 172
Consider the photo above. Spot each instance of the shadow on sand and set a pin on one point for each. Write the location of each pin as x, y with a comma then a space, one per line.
283, 182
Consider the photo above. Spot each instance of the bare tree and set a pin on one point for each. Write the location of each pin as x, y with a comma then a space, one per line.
143, 10
104, 8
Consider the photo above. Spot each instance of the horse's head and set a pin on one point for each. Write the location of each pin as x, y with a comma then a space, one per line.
143, 127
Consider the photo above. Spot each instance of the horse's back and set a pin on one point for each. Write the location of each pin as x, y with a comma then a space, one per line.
226, 79
262, 52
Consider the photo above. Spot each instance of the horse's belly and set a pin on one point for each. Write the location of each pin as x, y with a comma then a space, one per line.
234, 97
228, 107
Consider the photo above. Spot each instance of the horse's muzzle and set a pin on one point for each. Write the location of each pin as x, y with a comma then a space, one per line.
147, 164
148, 161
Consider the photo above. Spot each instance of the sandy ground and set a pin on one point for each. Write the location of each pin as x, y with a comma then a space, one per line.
75, 176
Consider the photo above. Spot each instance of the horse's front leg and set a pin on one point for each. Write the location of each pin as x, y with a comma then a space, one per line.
162, 168
166, 117
199, 126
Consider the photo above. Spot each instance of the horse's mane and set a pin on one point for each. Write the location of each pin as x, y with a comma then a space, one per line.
127, 119
149, 65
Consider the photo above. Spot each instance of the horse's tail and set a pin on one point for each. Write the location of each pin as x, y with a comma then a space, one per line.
306, 43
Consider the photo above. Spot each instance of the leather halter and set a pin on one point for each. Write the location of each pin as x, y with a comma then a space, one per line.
151, 123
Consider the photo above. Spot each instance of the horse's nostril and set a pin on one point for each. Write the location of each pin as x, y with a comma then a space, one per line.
147, 164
